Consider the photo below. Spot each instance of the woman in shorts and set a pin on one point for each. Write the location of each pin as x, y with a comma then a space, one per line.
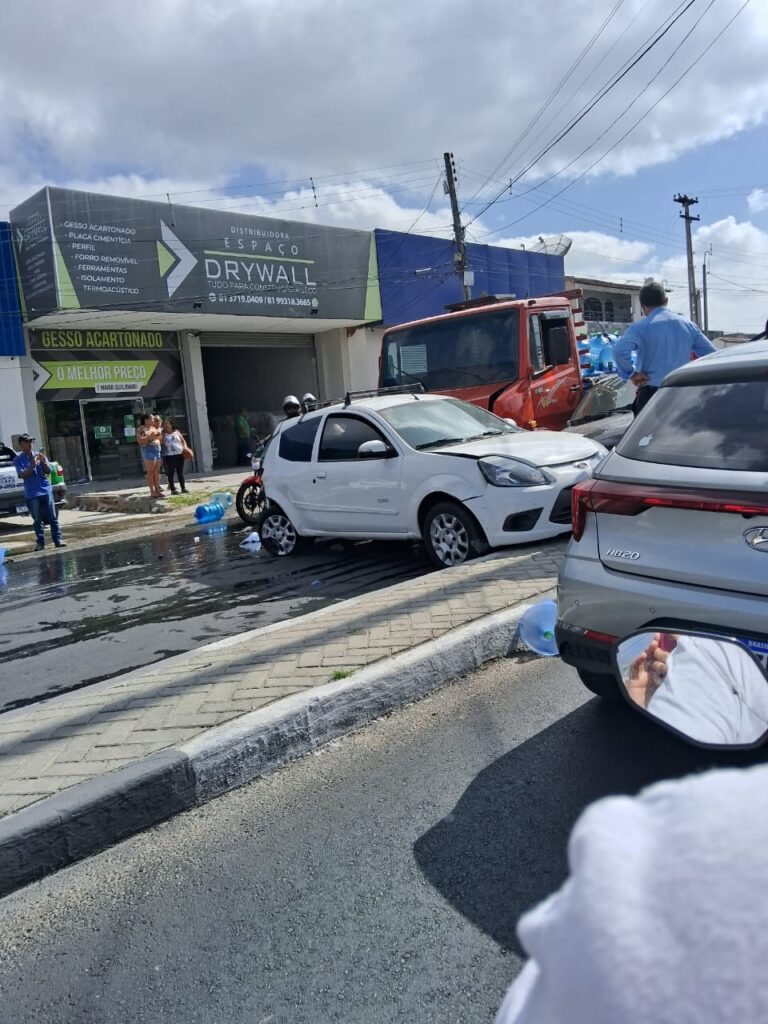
149, 437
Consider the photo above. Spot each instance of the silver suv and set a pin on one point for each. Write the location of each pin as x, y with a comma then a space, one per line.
672, 531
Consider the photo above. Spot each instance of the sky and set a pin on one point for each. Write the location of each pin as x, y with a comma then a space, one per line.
575, 117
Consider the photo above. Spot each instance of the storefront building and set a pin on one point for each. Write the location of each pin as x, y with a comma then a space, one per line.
135, 306
13, 415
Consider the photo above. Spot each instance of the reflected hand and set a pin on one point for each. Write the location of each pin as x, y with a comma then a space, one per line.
647, 672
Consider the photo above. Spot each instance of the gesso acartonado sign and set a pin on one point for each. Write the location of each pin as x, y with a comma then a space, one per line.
79, 250
75, 364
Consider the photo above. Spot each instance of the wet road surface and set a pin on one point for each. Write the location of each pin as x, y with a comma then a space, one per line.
77, 617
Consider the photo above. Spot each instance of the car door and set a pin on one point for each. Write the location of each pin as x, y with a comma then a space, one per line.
353, 495
556, 381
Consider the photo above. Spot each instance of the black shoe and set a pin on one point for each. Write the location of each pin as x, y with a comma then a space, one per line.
60, 544
174, 491
39, 547
184, 490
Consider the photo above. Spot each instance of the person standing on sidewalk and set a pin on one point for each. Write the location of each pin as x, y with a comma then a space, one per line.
243, 431
173, 455
148, 438
35, 470
663, 341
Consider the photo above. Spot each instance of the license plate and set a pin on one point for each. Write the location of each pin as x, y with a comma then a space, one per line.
758, 647
21, 510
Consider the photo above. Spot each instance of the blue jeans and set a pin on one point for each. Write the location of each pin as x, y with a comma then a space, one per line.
43, 510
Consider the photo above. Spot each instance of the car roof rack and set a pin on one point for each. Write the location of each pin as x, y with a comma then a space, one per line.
401, 389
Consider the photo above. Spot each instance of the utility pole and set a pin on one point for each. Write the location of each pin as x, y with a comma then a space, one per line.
460, 259
705, 326
687, 202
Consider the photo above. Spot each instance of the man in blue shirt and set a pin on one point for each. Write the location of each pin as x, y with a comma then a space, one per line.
35, 470
662, 340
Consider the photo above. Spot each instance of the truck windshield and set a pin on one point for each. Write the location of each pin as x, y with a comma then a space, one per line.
460, 352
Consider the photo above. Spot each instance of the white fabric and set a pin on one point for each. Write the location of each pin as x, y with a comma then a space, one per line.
713, 692
173, 444
663, 918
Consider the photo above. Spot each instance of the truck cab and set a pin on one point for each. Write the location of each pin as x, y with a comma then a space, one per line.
516, 358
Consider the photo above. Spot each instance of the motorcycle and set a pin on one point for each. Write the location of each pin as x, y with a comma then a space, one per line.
250, 500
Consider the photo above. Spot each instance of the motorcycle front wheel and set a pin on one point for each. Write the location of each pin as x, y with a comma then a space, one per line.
250, 503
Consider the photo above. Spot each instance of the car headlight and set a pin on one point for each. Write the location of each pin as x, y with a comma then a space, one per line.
502, 472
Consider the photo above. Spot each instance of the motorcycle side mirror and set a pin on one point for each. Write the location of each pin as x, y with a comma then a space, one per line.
709, 689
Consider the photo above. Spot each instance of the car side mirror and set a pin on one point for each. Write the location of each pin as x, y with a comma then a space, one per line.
375, 450
511, 422
711, 690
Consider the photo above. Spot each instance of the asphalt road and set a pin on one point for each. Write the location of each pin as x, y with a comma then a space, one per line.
376, 882
86, 614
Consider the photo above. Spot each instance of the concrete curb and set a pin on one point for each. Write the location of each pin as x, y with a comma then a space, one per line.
95, 814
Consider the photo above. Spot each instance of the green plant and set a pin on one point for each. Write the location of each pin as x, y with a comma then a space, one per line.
342, 673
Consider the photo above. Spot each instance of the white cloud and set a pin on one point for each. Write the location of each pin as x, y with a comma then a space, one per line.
757, 200
196, 89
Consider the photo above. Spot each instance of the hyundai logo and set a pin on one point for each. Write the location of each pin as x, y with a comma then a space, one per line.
757, 538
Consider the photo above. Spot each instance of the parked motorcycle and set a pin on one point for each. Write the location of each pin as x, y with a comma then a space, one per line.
250, 500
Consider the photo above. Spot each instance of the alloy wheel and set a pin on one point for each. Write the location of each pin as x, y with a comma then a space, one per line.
450, 539
278, 532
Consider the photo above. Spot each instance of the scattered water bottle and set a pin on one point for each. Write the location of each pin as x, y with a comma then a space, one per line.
210, 512
2, 555
537, 628
223, 498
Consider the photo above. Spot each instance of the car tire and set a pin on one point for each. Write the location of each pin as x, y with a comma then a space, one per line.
451, 535
279, 537
250, 503
602, 684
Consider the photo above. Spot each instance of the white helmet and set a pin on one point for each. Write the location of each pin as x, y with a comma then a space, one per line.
308, 400
291, 400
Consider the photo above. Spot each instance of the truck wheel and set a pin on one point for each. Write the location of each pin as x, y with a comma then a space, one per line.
602, 684
278, 534
451, 535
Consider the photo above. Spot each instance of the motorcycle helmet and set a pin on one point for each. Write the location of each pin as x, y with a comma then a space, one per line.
307, 401
291, 405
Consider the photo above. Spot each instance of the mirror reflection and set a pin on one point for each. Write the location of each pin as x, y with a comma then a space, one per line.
710, 689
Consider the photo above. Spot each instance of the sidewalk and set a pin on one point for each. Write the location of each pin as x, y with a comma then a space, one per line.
17, 536
51, 750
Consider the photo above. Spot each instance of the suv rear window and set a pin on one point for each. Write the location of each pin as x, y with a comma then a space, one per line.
705, 426
296, 443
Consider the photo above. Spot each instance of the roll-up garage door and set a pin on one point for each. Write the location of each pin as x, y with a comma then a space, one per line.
253, 372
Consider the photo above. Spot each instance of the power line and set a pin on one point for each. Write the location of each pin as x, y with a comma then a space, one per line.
602, 93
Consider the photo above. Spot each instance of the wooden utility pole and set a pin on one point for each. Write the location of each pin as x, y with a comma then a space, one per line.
687, 202
460, 259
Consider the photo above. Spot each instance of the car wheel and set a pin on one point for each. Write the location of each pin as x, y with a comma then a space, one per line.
451, 535
600, 683
278, 534
250, 503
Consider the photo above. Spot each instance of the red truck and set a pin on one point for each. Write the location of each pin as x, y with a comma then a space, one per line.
518, 358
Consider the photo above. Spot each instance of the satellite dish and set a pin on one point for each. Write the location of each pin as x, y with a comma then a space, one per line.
553, 245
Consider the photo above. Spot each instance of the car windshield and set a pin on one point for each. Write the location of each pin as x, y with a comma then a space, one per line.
430, 424
460, 352
608, 396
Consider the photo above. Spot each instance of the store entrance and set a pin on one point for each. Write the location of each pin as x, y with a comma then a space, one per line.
109, 426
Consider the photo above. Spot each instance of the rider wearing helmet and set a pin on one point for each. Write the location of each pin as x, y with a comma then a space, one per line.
308, 402
291, 407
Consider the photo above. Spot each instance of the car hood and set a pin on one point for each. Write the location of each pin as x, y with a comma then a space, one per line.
540, 447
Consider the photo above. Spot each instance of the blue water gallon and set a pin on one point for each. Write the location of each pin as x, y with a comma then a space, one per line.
210, 512
537, 628
224, 498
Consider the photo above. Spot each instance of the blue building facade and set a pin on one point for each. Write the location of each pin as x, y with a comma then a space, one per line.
11, 331
417, 276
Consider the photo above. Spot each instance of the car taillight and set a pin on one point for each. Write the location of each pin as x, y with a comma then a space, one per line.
631, 499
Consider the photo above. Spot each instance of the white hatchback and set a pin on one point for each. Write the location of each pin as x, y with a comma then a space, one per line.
397, 466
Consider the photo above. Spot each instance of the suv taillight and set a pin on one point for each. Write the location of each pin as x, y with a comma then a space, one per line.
631, 499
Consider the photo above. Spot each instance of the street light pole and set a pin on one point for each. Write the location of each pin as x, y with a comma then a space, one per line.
461, 261
704, 289
687, 202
